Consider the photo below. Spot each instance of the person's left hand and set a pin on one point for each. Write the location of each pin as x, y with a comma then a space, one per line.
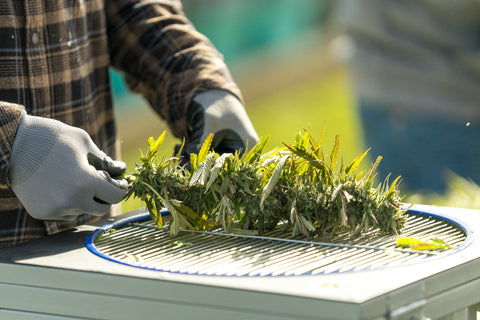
222, 114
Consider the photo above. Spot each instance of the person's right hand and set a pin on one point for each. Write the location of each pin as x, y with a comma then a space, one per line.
220, 113
58, 173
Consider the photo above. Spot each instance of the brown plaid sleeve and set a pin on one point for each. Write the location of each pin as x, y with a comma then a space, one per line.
9, 119
54, 60
163, 57
54, 63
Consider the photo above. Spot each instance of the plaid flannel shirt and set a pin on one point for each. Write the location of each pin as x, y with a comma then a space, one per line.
54, 60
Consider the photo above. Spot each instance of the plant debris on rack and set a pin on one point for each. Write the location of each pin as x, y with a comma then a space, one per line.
295, 187
417, 244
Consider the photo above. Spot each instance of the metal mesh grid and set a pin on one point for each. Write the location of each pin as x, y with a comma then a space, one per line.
142, 244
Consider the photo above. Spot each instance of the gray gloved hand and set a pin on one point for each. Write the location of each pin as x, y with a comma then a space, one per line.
58, 173
220, 113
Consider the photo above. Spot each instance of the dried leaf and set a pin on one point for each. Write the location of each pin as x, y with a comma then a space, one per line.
219, 163
200, 176
273, 181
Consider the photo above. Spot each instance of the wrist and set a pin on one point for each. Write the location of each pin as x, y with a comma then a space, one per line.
22, 162
35, 138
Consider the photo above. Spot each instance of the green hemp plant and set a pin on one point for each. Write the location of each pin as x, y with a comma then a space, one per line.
293, 187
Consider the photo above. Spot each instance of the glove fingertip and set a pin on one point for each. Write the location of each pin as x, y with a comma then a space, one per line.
117, 168
109, 190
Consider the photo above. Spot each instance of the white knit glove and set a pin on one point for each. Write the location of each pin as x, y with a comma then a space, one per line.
222, 114
58, 173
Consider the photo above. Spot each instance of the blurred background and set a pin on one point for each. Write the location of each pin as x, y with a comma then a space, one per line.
279, 53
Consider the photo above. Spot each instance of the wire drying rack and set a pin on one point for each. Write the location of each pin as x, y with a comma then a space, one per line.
138, 242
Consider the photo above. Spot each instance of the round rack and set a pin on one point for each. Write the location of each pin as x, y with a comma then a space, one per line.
138, 242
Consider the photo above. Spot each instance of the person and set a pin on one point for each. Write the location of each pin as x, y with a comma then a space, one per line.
415, 69
57, 125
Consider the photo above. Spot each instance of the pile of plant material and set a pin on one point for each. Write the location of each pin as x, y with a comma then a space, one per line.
294, 187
